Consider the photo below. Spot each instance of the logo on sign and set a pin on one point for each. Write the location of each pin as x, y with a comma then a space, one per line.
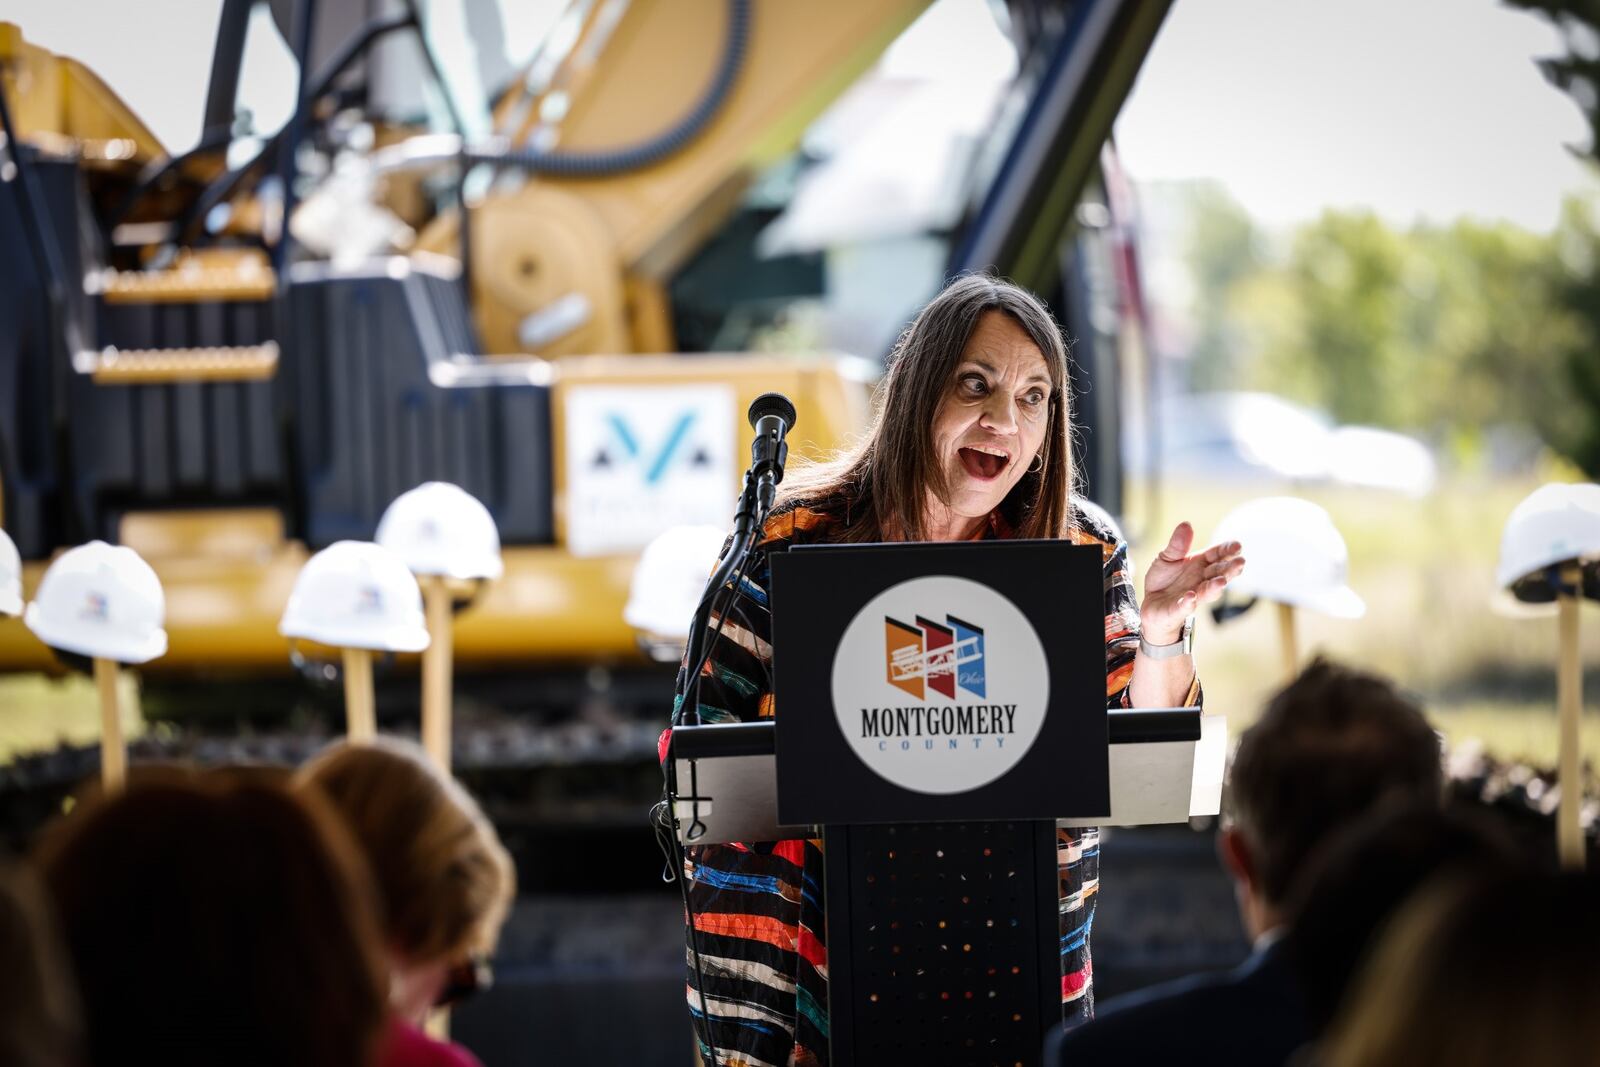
941, 704
652, 463
641, 459
95, 607
934, 657
369, 600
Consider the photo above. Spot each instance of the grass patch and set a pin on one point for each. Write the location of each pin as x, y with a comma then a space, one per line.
41, 712
1426, 570
1524, 733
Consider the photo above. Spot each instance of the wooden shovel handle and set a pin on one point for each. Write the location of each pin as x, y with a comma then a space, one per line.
1569, 701
437, 671
113, 752
361, 718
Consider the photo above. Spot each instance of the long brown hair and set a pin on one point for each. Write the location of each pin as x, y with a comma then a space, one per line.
445, 879
217, 917
884, 481
39, 1014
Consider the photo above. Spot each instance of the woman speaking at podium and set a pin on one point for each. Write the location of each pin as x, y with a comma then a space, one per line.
971, 440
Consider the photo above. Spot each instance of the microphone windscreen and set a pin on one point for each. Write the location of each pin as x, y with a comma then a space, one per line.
772, 404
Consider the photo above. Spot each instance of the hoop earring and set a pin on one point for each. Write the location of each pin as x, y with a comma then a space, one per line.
1038, 463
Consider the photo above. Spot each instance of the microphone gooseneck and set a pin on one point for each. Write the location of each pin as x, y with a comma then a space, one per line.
771, 416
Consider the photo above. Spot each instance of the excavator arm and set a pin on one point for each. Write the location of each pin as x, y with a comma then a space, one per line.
606, 233
236, 403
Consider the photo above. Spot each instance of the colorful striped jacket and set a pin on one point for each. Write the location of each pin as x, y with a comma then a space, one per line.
758, 908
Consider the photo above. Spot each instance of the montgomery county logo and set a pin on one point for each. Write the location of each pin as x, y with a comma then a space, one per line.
933, 657
940, 703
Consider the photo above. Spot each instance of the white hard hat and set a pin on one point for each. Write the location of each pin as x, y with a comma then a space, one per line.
1296, 556
439, 528
1555, 524
10, 576
355, 594
669, 580
101, 601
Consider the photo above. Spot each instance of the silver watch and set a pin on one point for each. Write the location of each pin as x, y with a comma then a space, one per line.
1183, 646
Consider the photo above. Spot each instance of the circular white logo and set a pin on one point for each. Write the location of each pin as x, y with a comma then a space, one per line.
940, 684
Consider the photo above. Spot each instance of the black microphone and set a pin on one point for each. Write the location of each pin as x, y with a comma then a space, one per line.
772, 416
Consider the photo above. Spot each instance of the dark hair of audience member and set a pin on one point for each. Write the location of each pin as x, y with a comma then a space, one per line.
1480, 971
1351, 890
38, 1004
217, 918
1284, 797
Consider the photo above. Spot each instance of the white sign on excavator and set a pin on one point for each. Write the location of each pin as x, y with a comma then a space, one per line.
642, 459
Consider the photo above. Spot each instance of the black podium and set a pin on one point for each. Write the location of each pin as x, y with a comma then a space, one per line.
728, 793
942, 712
939, 707
942, 942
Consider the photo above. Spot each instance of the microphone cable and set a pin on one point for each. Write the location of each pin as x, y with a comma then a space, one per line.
768, 454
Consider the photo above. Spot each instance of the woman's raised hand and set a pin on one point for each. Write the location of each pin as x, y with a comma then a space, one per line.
1177, 583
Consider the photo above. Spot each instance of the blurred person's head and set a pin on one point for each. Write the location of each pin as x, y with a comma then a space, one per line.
39, 1023
1332, 745
216, 918
1349, 893
445, 881
1480, 971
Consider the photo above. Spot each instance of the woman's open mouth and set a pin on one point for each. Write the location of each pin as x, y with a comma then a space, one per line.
983, 464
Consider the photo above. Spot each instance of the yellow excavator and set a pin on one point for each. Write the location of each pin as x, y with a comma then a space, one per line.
231, 400
208, 356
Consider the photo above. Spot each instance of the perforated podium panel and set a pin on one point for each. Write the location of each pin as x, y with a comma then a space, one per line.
943, 947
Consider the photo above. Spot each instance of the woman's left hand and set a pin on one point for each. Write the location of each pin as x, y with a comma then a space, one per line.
1177, 583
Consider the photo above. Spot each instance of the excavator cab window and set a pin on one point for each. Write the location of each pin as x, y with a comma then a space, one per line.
268, 74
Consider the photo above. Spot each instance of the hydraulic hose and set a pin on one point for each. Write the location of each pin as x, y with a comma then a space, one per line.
605, 162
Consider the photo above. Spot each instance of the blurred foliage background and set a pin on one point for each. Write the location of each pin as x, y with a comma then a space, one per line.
1479, 337
1482, 339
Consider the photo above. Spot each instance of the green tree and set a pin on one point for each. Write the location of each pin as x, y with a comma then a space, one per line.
1223, 249
1569, 419
1347, 269
1575, 431
1498, 330
1442, 330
